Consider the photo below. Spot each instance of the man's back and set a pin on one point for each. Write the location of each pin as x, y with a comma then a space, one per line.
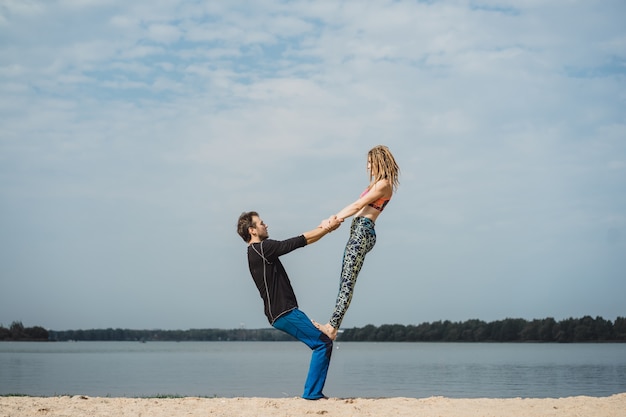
270, 276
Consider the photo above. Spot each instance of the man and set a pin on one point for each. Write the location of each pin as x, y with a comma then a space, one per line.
281, 306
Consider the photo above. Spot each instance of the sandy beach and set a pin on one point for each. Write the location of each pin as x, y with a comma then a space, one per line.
80, 406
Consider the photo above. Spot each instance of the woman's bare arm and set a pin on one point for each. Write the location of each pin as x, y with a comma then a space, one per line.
381, 189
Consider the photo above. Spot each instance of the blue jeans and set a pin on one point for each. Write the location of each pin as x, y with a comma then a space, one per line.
297, 324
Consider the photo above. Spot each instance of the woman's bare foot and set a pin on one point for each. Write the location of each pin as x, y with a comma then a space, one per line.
327, 329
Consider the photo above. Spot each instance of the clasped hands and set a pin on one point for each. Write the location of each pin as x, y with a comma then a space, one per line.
331, 223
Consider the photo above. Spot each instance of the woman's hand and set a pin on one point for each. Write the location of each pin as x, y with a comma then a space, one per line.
331, 223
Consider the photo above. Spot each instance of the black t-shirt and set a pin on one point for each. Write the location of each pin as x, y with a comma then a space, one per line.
270, 276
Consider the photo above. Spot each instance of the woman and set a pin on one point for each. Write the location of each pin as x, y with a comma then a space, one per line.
383, 172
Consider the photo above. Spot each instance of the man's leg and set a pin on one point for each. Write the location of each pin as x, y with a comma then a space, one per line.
297, 324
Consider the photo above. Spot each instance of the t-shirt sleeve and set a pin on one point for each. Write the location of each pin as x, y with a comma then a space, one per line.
272, 249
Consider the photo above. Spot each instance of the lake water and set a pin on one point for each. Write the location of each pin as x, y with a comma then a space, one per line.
278, 369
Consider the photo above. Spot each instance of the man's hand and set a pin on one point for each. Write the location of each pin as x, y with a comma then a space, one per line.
325, 227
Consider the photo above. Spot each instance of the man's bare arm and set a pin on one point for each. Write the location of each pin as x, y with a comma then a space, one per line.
322, 230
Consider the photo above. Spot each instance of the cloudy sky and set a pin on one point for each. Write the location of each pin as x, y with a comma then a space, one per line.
133, 134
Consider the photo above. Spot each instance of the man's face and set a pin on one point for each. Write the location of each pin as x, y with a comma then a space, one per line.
260, 230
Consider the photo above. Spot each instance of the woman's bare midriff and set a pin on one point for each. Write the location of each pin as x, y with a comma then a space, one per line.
369, 212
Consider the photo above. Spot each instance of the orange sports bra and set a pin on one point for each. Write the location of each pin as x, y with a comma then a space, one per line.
378, 204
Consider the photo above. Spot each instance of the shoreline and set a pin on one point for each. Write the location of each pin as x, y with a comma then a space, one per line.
81, 405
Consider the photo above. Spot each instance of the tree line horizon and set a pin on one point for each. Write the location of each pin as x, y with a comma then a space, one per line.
548, 330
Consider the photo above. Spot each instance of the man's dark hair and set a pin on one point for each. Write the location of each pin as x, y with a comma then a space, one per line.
244, 223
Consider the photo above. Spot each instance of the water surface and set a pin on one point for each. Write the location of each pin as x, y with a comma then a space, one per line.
278, 369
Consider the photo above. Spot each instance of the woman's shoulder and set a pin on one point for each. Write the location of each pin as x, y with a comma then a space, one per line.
383, 183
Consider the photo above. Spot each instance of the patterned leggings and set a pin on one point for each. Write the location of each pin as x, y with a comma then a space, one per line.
362, 240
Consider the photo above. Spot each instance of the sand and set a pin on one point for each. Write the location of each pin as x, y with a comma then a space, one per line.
81, 406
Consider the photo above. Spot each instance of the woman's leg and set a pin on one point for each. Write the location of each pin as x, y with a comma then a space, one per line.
362, 240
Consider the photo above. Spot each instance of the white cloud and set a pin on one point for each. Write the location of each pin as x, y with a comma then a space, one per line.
164, 33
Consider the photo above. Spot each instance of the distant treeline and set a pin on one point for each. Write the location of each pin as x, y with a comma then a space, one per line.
17, 332
201, 335
586, 329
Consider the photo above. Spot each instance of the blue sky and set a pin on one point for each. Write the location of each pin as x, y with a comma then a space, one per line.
133, 134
